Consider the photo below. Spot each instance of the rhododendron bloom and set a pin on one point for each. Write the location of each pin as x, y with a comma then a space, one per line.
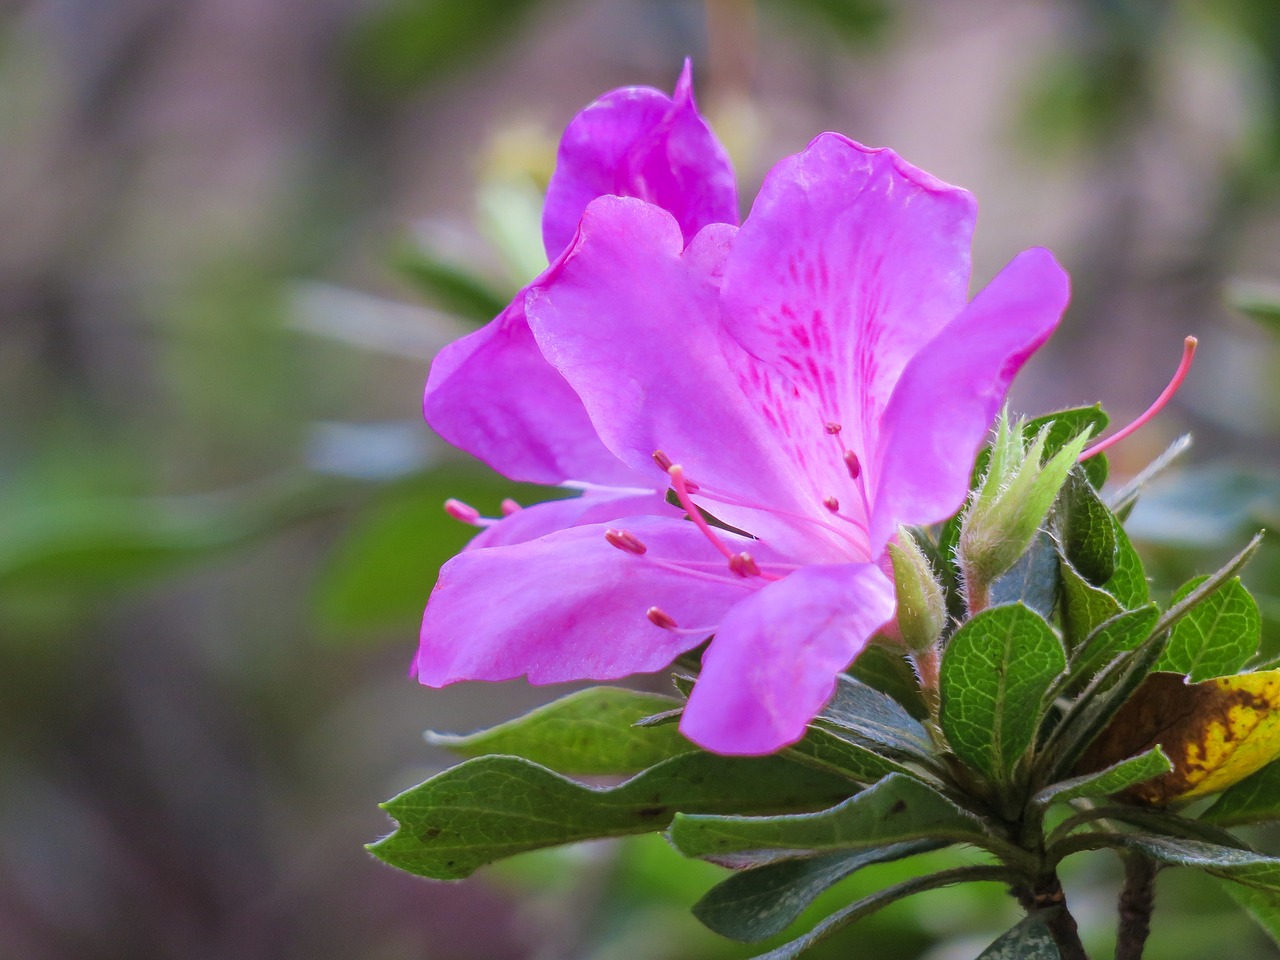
809, 381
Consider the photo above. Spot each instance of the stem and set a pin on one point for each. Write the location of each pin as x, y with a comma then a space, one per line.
1137, 900
1047, 895
977, 592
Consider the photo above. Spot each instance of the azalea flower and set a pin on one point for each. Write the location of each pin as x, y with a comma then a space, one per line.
803, 384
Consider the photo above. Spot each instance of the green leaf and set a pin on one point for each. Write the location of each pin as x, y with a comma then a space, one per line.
758, 903
1122, 633
1128, 582
1262, 905
1217, 635
1034, 579
1257, 299
1113, 779
1086, 529
995, 673
1252, 800
868, 905
887, 670
1084, 606
1230, 863
489, 808
895, 810
871, 717
1029, 940
590, 732
827, 751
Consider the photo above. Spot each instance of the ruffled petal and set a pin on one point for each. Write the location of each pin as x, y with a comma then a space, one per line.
638, 142
597, 505
569, 606
492, 394
849, 262
631, 319
774, 661
948, 396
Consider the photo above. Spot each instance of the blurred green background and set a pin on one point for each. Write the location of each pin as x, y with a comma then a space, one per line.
232, 235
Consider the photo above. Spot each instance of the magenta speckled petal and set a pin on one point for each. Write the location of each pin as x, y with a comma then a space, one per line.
638, 142
594, 506
773, 664
949, 394
569, 606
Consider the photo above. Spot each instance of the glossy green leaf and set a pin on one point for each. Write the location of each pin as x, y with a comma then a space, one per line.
1217, 636
1113, 779
1029, 940
874, 718
895, 810
1128, 583
1086, 529
1253, 800
489, 808
885, 669
760, 902
589, 732
1230, 863
1262, 905
1085, 607
995, 673
1122, 633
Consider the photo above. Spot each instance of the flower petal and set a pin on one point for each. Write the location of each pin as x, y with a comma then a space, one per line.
597, 505
569, 606
492, 394
638, 142
944, 404
773, 663
850, 261
631, 319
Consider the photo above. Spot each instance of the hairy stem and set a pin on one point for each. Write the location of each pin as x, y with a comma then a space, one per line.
1046, 895
1137, 900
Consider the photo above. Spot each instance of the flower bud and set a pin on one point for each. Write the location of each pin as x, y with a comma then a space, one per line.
922, 607
1009, 506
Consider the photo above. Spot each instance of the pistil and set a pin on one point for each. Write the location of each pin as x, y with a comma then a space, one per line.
1188, 353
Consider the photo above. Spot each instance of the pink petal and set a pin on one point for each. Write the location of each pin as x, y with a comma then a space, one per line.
850, 261
944, 404
492, 394
773, 663
569, 606
638, 142
632, 321
597, 505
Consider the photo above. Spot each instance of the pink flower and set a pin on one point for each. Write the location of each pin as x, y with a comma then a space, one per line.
811, 380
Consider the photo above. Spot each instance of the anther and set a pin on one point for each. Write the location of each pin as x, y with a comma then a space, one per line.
1188, 353
833, 428
744, 565
831, 503
852, 464
662, 460
660, 618
626, 541
461, 511
509, 507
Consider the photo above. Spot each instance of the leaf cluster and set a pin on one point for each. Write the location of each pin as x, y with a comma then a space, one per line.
1070, 713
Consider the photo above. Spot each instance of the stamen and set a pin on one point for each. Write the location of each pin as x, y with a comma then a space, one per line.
509, 507
462, 511
831, 503
833, 428
744, 565
626, 541
681, 487
662, 460
1188, 353
709, 494
852, 464
660, 618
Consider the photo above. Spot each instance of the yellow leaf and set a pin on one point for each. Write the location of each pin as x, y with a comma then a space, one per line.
1214, 733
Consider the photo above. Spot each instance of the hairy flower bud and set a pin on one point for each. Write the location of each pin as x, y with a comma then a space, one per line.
922, 608
1010, 504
